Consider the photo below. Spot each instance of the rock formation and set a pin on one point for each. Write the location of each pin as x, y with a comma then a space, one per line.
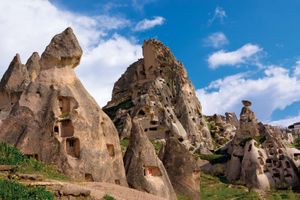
53, 117
156, 89
144, 170
222, 128
14, 81
182, 169
258, 156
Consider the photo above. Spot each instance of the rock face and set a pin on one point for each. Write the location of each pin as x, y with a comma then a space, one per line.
182, 169
223, 128
156, 90
55, 120
144, 170
14, 81
259, 158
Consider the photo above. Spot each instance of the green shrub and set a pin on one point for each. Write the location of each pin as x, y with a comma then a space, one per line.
157, 145
10, 155
297, 143
182, 197
108, 197
124, 144
215, 158
111, 111
16, 191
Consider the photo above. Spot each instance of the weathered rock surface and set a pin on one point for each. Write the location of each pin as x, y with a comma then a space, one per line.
182, 169
91, 190
156, 89
55, 120
222, 128
144, 170
258, 156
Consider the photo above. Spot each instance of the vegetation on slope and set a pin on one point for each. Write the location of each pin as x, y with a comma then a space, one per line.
297, 143
214, 189
12, 156
11, 189
214, 158
124, 144
14, 190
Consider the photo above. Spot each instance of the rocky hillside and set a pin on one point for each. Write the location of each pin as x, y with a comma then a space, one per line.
257, 156
157, 91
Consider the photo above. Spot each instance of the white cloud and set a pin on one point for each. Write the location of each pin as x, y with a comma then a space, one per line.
28, 25
239, 56
102, 66
219, 14
297, 68
286, 122
216, 40
149, 23
276, 89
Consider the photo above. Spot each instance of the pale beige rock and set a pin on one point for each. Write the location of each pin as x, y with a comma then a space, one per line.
144, 170
258, 156
12, 84
156, 89
182, 169
223, 128
57, 121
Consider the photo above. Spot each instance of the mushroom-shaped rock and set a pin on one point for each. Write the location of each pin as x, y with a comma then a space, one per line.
144, 170
246, 102
63, 51
182, 169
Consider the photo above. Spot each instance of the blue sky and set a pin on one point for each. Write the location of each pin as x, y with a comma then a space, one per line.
232, 50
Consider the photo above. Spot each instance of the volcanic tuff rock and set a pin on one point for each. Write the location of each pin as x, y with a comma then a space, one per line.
182, 169
222, 128
156, 89
258, 156
144, 170
55, 120
14, 81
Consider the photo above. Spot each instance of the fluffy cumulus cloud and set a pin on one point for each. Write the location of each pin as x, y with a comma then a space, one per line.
149, 23
28, 26
277, 88
246, 53
216, 40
